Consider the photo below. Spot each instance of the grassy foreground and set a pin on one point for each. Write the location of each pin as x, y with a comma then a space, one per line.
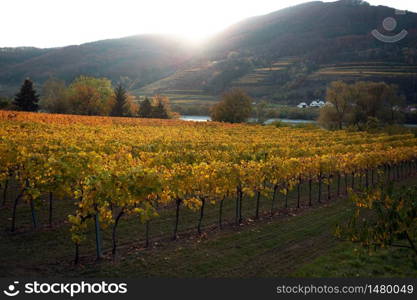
346, 260
271, 248
299, 243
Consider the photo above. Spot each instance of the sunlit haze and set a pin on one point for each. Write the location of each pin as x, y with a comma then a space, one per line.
52, 23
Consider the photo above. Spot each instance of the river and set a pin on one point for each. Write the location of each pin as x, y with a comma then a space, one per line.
207, 118
269, 121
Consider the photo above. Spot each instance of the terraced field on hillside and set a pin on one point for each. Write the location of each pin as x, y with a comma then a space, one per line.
186, 81
190, 85
363, 71
405, 76
264, 76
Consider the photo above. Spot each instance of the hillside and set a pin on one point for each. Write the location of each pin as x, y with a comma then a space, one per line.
285, 56
135, 60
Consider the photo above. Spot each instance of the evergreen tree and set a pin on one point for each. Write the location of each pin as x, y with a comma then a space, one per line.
161, 108
145, 109
27, 99
120, 97
159, 111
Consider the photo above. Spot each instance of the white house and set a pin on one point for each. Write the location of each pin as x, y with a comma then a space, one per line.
317, 103
302, 105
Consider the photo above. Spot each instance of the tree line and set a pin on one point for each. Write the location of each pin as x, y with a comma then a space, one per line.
358, 106
87, 96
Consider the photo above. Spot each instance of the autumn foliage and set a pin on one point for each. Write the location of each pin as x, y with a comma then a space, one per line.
115, 167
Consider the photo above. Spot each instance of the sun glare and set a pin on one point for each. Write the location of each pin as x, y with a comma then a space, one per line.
59, 23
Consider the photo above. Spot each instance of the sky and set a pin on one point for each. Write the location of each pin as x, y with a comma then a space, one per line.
56, 23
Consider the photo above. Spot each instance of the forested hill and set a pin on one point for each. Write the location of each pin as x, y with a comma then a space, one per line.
135, 60
320, 30
285, 56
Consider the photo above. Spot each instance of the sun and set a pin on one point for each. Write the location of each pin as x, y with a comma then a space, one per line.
193, 31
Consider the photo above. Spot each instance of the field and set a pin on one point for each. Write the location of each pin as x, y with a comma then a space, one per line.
401, 74
361, 71
263, 78
285, 81
180, 87
167, 198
